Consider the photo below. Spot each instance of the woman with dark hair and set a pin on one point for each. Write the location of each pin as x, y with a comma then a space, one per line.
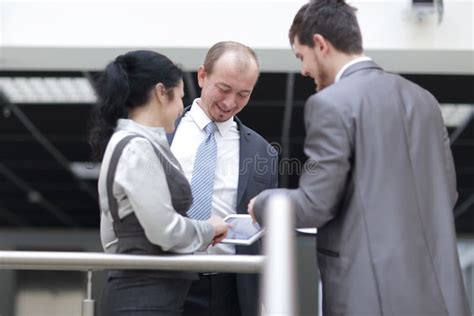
143, 193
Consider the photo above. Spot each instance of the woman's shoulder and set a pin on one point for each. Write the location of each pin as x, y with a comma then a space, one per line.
134, 147
131, 140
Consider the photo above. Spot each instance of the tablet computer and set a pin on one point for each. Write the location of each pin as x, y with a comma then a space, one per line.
242, 231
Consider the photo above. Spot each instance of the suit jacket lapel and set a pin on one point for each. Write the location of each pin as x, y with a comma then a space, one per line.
244, 154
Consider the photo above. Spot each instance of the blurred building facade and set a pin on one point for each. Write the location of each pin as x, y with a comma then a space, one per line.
51, 54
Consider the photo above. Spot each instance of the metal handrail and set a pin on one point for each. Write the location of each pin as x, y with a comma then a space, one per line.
85, 261
77, 261
279, 290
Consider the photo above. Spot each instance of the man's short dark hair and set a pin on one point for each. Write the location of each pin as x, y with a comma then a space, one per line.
335, 20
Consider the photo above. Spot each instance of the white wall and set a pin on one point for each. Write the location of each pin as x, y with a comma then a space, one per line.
87, 34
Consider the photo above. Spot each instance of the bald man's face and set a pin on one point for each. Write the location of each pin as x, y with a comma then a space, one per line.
226, 91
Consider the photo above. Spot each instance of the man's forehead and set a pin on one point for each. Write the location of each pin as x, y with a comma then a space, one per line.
296, 50
233, 78
240, 86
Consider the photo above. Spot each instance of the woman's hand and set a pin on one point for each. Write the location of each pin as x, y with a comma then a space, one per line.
220, 229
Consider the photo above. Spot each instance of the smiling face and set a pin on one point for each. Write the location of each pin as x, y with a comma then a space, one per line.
226, 91
312, 64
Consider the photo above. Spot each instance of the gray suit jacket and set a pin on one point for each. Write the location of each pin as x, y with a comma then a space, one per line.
380, 185
258, 171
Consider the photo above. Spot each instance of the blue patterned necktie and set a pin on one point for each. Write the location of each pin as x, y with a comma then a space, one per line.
202, 182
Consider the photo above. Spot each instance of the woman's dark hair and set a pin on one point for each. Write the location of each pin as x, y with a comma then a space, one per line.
335, 20
126, 83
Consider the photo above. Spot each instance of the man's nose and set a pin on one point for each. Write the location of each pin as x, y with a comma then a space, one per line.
229, 101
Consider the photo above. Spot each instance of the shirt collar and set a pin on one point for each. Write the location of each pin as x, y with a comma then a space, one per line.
201, 119
157, 134
352, 62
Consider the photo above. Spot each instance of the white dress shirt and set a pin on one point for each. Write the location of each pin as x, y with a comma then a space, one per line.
352, 62
140, 186
189, 135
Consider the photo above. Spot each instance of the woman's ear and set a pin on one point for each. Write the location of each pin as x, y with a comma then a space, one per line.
161, 93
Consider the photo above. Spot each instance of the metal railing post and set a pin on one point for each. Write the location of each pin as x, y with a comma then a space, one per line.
279, 273
88, 303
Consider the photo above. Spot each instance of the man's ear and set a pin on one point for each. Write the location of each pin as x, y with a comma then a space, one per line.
201, 75
321, 44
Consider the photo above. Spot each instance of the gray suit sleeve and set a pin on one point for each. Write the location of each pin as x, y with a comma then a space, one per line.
450, 170
324, 175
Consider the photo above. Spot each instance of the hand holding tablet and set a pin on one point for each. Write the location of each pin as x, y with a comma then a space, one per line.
242, 230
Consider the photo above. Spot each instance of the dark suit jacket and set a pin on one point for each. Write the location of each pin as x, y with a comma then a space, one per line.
258, 171
381, 190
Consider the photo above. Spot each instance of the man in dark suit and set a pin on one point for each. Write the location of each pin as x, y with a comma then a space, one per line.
246, 165
379, 182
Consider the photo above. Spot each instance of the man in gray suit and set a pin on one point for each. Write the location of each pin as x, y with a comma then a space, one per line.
379, 182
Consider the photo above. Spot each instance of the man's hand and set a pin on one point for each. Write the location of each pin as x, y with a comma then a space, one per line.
250, 209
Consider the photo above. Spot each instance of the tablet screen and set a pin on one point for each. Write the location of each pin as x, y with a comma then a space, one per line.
242, 230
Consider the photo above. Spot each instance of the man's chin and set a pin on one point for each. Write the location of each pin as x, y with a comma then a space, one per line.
220, 116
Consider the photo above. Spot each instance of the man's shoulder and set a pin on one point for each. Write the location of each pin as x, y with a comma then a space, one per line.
254, 138
249, 132
349, 89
